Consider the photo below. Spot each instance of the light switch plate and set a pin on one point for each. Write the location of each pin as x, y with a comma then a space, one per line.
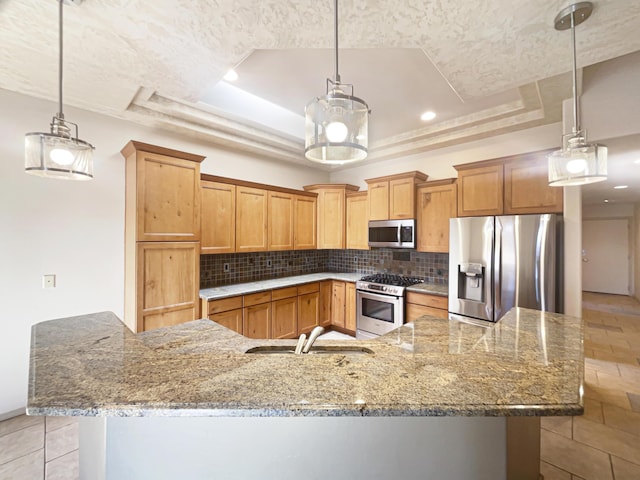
49, 281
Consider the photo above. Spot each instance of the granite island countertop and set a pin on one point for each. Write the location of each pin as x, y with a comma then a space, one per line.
529, 363
224, 291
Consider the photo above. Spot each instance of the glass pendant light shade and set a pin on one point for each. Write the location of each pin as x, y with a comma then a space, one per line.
336, 127
336, 124
577, 163
55, 156
58, 154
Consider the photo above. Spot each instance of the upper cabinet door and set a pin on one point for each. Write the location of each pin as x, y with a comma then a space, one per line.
357, 224
436, 205
218, 223
305, 223
379, 200
526, 187
280, 217
480, 190
402, 198
168, 198
251, 219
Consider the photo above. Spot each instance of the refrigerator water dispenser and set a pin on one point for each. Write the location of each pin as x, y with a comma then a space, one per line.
471, 280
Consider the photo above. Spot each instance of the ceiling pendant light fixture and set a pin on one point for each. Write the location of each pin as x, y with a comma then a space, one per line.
336, 124
577, 162
58, 154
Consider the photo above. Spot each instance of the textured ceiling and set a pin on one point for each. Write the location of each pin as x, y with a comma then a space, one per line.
487, 67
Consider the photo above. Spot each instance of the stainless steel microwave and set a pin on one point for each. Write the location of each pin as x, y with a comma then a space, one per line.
392, 233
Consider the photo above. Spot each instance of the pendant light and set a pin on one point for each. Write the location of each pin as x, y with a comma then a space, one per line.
59, 154
578, 162
336, 124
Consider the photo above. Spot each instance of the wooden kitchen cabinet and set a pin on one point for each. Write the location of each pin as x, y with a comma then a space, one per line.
393, 197
251, 219
168, 280
437, 203
331, 208
162, 193
480, 189
225, 311
378, 200
284, 313
256, 315
350, 307
526, 186
162, 233
338, 304
510, 185
305, 223
218, 220
308, 307
419, 304
357, 223
280, 221
326, 293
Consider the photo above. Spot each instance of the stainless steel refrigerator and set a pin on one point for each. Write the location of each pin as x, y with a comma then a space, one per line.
496, 263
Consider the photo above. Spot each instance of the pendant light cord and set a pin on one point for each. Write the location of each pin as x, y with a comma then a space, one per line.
60, 114
576, 116
337, 77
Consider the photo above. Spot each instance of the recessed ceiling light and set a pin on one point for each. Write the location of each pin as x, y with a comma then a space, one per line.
231, 76
426, 116
621, 187
606, 201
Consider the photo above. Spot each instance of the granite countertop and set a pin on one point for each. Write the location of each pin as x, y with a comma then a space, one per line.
224, 291
529, 363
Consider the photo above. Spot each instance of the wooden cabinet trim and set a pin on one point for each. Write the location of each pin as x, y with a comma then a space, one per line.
437, 183
133, 146
415, 175
337, 186
260, 186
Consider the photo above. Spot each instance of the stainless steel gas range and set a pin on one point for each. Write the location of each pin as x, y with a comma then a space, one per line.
380, 303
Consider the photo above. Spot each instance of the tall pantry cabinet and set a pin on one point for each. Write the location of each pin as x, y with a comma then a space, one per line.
162, 236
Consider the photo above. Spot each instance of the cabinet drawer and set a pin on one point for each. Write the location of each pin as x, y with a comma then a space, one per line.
224, 304
434, 301
257, 298
308, 288
281, 293
414, 311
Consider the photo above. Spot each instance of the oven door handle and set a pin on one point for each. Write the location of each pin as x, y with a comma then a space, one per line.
399, 235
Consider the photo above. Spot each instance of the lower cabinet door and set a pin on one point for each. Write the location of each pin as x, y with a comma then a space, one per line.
256, 322
284, 322
168, 284
231, 319
326, 293
350, 311
308, 311
338, 303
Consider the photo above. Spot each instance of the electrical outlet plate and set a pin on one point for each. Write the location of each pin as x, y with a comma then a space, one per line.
49, 281
225, 267
268, 263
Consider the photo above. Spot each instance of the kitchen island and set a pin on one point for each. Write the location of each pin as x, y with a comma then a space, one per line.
433, 396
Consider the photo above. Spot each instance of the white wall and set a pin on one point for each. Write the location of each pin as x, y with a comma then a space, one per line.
76, 229
636, 251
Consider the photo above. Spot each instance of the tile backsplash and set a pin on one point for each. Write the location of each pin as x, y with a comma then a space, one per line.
225, 269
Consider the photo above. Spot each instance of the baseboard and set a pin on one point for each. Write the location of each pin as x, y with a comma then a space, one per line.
13, 413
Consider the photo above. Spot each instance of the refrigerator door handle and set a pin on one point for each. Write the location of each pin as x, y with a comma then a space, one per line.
497, 273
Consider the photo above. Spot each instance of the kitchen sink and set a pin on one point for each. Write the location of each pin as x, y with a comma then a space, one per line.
318, 350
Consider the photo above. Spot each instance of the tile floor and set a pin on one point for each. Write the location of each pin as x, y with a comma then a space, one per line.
604, 444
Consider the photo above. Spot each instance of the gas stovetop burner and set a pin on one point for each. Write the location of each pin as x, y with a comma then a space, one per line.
391, 279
